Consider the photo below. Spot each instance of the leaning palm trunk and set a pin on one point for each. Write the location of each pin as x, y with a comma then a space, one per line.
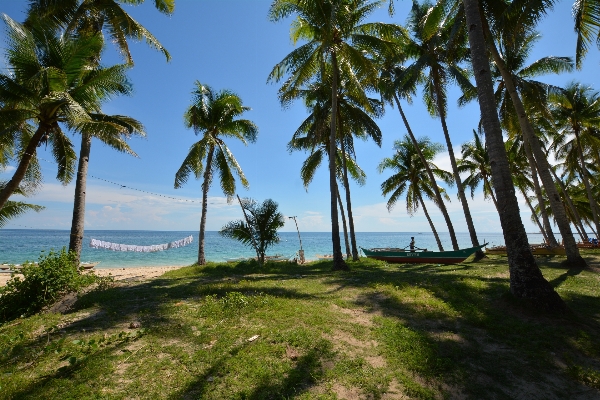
205, 186
347, 242
547, 228
578, 224
526, 280
534, 215
435, 234
492, 195
349, 207
530, 139
461, 191
438, 196
21, 170
586, 182
77, 223
338, 258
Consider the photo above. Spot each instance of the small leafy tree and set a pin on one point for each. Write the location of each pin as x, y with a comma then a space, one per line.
259, 229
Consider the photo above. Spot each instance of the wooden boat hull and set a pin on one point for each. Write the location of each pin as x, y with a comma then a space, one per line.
403, 256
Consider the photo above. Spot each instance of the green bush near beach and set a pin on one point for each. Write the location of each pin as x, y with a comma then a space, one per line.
54, 275
241, 331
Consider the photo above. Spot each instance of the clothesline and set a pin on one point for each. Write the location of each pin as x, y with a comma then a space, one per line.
100, 244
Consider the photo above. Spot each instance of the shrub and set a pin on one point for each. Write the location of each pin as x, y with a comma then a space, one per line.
55, 275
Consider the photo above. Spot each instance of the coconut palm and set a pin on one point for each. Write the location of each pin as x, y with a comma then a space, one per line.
408, 177
214, 116
259, 227
509, 22
92, 17
333, 29
526, 280
53, 85
437, 55
577, 112
476, 162
587, 27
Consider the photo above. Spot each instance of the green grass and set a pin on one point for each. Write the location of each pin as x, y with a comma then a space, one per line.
240, 331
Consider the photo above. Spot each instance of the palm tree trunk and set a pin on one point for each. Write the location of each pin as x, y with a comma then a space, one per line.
339, 198
586, 182
21, 170
338, 258
435, 234
438, 196
550, 239
567, 198
459, 186
574, 260
349, 207
535, 217
77, 223
486, 182
526, 280
205, 186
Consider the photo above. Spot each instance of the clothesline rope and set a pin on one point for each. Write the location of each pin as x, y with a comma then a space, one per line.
100, 244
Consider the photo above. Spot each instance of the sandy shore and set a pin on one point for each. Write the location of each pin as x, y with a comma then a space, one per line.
135, 273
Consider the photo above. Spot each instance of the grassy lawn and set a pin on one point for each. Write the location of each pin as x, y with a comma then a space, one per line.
286, 331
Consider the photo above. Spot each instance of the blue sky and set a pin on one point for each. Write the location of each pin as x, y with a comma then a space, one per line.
230, 44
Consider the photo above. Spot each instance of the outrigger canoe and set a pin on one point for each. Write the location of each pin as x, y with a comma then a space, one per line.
420, 256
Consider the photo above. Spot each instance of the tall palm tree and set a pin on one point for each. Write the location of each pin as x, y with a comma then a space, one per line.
577, 111
437, 54
333, 30
476, 162
214, 116
92, 17
408, 177
587, 27
526, 280
515, 17
53, 84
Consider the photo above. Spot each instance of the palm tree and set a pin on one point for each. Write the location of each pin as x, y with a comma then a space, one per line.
408, 177
577, 111
503, 21
259, 227
587, 27
526, 280
51, 83
214, 116
439, 51
476, 162
89, 17
333, 30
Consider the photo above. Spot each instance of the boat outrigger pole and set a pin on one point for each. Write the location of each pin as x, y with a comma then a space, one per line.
301, 252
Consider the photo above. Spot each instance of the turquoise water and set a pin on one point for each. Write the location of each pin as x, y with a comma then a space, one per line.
20, 245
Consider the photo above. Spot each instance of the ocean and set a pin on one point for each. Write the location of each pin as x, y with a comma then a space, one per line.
20, 245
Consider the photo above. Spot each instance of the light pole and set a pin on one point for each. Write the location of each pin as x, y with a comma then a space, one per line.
301, 252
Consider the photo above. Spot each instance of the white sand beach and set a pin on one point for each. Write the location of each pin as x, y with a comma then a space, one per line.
134, 273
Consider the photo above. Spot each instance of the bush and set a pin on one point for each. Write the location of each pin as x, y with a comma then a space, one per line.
55, 275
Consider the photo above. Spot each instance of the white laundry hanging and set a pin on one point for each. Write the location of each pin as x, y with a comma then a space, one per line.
100, 244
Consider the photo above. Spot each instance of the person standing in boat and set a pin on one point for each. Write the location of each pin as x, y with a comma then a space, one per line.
412, 243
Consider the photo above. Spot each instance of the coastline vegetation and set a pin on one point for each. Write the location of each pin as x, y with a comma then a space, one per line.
301, 331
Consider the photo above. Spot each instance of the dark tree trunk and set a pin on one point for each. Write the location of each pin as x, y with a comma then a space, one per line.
526, 280
586, 182
338, 258
346, 241
569, 202
534, 215
205, 186
21, 170
349, 208
547, 228
574, 260
77, 223
459, 186
435, 234
438, 196
492, 195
